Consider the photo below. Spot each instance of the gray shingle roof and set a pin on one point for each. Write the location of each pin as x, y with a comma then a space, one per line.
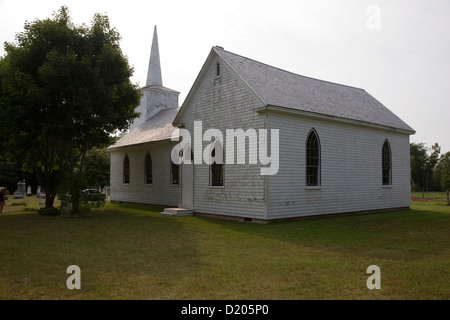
281, 88
157, 128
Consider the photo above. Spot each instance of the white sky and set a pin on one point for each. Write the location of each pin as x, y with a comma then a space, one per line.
404, 64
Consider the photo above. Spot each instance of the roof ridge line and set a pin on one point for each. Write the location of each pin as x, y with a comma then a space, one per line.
283, 70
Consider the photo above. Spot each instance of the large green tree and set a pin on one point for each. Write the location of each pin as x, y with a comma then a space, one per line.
63, 90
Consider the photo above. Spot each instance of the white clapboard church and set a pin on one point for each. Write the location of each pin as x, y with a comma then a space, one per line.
310, 147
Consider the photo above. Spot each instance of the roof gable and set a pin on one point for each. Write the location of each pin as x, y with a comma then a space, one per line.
213, 55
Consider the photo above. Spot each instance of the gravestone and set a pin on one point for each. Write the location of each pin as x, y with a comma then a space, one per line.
41, 197
29, 190
106, 191
38, 191
20, 192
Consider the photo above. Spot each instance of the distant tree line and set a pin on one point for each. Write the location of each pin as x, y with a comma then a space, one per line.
430, 170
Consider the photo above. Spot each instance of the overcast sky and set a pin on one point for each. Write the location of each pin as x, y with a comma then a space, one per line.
397, 50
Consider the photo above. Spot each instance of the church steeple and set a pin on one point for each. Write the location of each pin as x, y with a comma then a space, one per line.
155, 97
154, 77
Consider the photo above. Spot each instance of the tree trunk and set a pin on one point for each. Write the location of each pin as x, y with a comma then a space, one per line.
50, 196
83, 155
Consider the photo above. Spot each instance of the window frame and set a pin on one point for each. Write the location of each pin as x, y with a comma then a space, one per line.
126, 170
148, 172
315, 181
218, 69
386, 164
214, 168
171, 168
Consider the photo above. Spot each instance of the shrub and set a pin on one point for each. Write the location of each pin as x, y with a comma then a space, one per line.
74, 202
49, 211
18, 203
31, 209
98, 198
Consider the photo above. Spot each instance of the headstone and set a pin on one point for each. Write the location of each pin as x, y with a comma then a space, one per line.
106, 191
20, 192
38, 191
29, 190
41, 197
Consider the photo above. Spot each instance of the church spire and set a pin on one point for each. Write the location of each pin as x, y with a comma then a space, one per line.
154, 77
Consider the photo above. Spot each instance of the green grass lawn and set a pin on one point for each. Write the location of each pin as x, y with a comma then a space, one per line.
131, 252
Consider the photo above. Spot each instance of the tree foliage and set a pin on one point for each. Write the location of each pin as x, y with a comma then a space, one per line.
96, 168
424, 163
418, 158
73, 201
63, 90
442, 172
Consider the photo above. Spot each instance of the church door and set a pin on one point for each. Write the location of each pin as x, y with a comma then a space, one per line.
187, 180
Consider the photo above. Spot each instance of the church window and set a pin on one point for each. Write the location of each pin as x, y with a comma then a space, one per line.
174, 173
148, 169
217, 69
216, 169
386, 163
126, 169
312, 159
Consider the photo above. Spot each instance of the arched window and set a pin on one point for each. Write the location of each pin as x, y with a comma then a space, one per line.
216, 167
148, 179
126, 169
312, 159
386, 163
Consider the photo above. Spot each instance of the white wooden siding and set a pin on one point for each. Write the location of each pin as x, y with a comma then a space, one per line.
226, 103
161, 192
350, 169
